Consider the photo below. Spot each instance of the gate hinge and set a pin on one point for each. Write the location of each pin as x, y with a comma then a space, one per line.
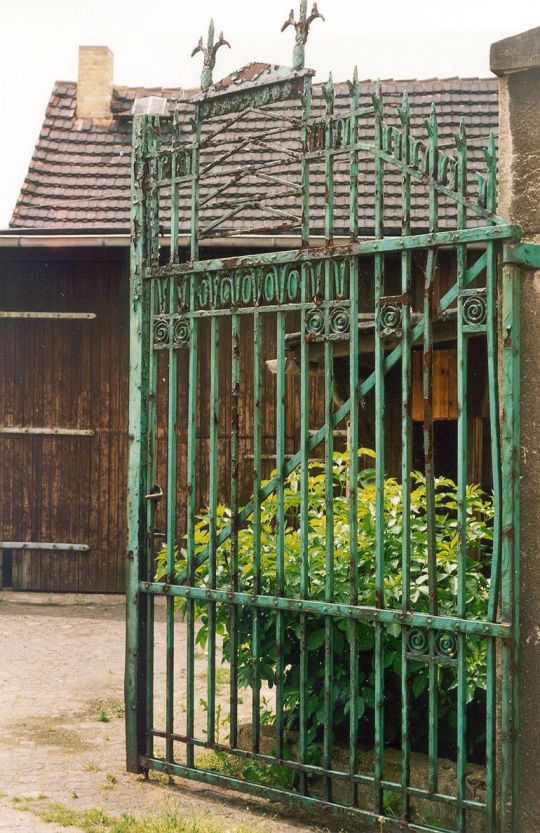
524, 254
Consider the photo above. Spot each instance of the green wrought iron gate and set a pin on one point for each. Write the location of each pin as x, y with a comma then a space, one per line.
287, 557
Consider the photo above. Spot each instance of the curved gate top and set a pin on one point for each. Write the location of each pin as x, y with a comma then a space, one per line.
323, 453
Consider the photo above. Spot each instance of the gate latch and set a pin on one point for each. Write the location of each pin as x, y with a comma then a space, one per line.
155, 494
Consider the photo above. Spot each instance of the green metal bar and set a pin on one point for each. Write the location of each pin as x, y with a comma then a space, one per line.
150, 523
173, 256
379, 459
510, 338
406, 460
439, 239
342, 412
171, 524
353, 531
135, 681
190, 530
212, 524
353, 163
235, 463
280, 527
494, 590
433, 671
462, 468
304, 451
304, 537
329, 460
317, 607
285, 796
258, 415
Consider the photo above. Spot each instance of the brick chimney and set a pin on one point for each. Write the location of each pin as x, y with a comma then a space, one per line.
95, 82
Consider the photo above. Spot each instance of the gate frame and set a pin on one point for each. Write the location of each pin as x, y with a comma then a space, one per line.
141, 504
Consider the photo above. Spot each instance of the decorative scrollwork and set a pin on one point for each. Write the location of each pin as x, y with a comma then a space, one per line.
340, 321
180, 332
314, 321
161, 331
390, 318
446, 645
474, 310
417, 641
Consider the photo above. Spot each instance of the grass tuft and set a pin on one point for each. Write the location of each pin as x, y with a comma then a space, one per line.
97, 821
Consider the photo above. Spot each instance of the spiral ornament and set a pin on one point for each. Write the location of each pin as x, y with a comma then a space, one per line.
340, 320
314, 321
417, 641
390, 318
474, 310
161, 331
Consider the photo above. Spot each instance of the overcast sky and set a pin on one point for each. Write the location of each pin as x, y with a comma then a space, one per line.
152, 41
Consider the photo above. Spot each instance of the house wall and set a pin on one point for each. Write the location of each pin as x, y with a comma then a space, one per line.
63, 373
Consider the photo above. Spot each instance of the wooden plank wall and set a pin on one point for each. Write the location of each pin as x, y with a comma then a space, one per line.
68, 374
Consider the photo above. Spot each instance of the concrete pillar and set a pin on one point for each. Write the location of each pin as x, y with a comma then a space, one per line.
516, 60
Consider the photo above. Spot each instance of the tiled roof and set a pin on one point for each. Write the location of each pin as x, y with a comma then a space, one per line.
79, 175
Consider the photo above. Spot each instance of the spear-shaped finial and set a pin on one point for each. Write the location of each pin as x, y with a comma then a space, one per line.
301, 28
209, 55
329, 94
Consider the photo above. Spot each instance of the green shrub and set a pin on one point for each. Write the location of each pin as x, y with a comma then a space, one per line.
479, 536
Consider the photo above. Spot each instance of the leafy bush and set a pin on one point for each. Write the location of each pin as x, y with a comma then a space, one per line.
479, 536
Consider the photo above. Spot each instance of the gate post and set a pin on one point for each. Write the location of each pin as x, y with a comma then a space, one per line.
516, 60
136, 604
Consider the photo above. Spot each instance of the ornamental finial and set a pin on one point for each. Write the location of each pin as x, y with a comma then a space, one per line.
301, 27
209, 55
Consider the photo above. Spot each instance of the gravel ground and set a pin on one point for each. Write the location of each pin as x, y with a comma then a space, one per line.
61, 671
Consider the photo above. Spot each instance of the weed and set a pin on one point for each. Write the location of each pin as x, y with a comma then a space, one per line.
107, 710
112, 779
97, 821
90, 766
391, 804
222, 676
3, 601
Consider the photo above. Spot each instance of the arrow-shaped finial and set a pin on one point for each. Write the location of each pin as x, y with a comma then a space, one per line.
301, 28
209, 55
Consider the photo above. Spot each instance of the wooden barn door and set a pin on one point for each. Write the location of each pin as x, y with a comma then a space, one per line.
61, 432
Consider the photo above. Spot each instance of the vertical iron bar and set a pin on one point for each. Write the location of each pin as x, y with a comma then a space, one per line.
433, 672
304, 531
510, 544
212, 523
192, 444
329, 454
171, 522
353, 527
235, 462
258, 412
462, 372
406, 455
379, 461
304, 437
135, 683
494, 422
280, 524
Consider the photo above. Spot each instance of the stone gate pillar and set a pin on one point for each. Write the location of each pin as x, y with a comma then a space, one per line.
516, 60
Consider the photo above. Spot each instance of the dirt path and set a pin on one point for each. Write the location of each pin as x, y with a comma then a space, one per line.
61, 723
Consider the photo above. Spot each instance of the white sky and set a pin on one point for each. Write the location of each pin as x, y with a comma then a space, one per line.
152, 41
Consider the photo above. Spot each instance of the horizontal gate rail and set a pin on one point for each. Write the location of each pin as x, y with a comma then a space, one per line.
364, 614
387, 245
